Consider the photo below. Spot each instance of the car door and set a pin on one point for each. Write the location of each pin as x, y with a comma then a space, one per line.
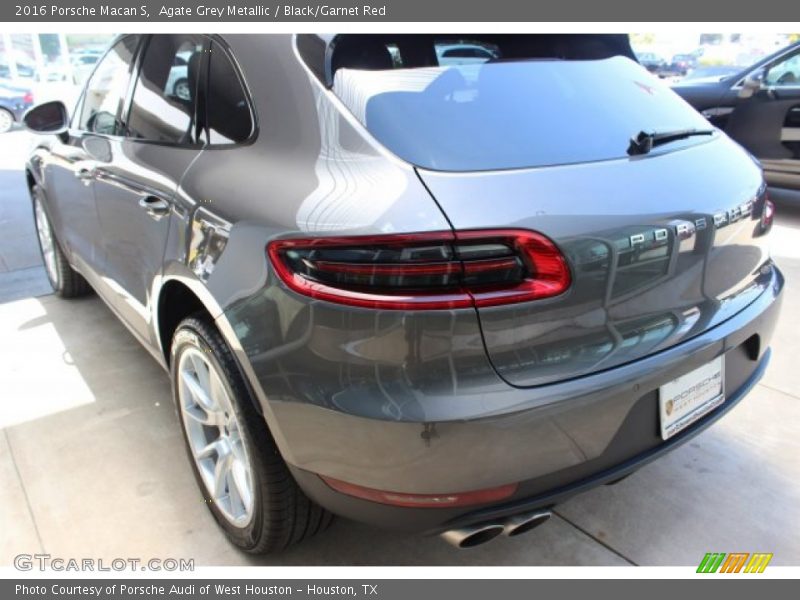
768, 123
134, 192
73, 158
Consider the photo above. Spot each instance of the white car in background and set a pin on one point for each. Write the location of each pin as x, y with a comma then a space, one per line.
463, 54
178, 80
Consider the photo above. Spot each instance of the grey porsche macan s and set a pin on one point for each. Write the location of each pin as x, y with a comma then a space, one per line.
435, 283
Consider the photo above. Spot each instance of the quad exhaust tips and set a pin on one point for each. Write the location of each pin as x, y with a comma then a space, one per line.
472, 535
519, 524
476, 535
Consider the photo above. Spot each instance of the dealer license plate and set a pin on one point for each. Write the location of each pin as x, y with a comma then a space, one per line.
688, 398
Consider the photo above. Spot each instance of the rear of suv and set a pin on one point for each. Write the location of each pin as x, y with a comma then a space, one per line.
433, 296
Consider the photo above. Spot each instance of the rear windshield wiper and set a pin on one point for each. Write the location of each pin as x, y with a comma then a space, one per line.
643, 142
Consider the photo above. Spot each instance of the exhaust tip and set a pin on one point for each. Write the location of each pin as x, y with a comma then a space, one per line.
524, 523
469, 537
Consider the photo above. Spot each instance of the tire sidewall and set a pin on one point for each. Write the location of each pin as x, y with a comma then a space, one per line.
188, 336
178, 84
40, 198
11, 121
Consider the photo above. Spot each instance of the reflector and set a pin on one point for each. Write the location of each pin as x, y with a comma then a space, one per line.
422, 500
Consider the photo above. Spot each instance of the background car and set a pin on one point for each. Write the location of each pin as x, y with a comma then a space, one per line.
178, 80
14, 101
759, 107
463, 53
683, 63
23, 70
51, 73
652, 62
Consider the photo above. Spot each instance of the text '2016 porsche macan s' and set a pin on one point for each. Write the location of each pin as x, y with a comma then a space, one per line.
434, 283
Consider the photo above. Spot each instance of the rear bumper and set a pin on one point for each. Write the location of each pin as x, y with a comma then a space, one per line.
562, 438
539, 493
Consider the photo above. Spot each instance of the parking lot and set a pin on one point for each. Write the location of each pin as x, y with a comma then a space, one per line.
92, 462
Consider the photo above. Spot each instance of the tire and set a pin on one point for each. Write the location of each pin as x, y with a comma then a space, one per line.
6, 120
280, 514
65, 281
181, 89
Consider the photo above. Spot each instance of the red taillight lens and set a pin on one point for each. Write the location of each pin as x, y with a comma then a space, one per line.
423, 500
28, 98
769, 213
540, 270
423, 271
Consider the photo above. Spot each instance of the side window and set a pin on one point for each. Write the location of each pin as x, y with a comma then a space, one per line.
105, 92
785, 73
164, 99
228, 116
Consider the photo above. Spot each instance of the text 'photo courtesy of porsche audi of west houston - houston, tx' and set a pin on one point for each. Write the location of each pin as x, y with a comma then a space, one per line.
433, 283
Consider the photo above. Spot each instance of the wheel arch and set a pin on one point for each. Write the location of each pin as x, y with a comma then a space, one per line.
181, 296
30, 179
176, 301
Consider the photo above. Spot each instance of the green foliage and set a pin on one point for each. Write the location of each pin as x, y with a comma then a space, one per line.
642, 39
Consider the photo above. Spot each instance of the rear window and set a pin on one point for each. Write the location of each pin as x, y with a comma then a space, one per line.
495, 114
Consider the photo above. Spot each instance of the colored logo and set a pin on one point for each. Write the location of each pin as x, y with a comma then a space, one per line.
735, 562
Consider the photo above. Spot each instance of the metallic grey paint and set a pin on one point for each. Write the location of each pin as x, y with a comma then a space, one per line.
597, 212
412, 401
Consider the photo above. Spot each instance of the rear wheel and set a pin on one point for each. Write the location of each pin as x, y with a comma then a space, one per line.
246, 484
6, 120
66, 282
181, 90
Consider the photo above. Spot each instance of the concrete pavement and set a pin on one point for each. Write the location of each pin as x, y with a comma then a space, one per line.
92, 463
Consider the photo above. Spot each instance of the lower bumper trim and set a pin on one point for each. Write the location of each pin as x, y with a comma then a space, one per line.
612, 475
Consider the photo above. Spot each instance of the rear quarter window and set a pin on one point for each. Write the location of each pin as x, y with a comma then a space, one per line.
229, 115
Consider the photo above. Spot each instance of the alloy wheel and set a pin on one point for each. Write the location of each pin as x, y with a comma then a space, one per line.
6, 121
182, 90
46, 241
214, 434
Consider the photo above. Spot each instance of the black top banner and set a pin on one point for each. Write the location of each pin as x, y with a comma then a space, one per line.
388, 11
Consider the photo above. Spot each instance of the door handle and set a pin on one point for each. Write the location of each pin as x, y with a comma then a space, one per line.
154, 206
86, 171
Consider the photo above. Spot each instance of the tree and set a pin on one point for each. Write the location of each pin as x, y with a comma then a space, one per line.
642, 39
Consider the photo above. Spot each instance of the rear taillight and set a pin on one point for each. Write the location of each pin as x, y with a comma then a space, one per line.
423, 271
28, 98
768, 215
